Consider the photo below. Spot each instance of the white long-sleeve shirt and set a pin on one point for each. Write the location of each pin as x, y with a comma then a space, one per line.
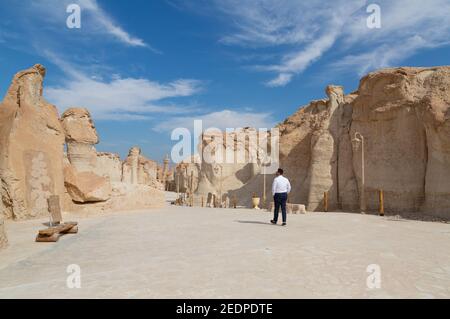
281, 185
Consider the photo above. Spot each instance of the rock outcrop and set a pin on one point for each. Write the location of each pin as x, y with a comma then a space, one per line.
223, 177
403, 115
137, 169
31, 147
101, 178
82, 182
33, 164
109, 165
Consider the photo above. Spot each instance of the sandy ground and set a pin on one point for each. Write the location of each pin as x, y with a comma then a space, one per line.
180, 252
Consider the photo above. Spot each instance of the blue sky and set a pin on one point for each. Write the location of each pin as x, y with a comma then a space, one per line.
145, 67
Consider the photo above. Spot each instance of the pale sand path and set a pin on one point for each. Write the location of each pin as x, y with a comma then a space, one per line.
199, 253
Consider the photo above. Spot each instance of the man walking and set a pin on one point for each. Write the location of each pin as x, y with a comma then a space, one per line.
280, 190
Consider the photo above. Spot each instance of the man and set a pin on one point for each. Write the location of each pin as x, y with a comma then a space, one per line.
280, 190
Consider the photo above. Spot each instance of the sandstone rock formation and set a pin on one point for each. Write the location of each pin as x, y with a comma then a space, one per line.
81, 181
92, 177
224, 178
137, 169
31, 147
33, 164
133, 197
402, 114
109, 165
86, 187
405, 114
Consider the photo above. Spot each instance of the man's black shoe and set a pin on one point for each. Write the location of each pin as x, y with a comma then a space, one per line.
284, 224
273, 222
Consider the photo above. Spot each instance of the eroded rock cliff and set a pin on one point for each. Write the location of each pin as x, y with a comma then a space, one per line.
31, 147
403, 115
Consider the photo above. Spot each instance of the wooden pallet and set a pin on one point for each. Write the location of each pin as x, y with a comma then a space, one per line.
52, 234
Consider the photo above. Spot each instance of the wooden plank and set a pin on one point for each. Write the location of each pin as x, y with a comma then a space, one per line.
73, 230
325, 201
55, 230
54, 209
47, 239
381, 199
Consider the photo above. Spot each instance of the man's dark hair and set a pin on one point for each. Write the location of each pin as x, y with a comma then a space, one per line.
280, 171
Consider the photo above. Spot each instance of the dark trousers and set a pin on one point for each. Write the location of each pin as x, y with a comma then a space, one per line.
280, 199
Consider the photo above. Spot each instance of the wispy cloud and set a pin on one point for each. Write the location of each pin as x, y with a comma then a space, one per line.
118, 98
109, 26
95, 21
305, 32
221, 119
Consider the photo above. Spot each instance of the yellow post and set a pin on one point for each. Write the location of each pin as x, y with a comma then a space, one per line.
325, 201
381, 197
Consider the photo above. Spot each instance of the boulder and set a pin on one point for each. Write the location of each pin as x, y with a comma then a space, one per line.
86, 187
31, 147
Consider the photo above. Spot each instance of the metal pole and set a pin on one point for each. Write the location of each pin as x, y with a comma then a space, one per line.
264, 188
220, 191
381, 197
363, 184
178, 182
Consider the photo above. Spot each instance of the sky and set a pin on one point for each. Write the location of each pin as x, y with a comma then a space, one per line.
144, 68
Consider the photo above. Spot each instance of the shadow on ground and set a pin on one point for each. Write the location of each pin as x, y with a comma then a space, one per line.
252, 222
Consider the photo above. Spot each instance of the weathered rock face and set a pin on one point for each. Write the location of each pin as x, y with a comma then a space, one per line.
109, 165
137, 169
404, 115
186, 175
134, 197
81, 136
82, 182
223, 176
31, 147
86, 187
3, 238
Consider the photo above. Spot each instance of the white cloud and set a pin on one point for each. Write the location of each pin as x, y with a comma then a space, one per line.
118, 98
302, 32
101, 18
221, 120
95, 21
382, 57
281, 80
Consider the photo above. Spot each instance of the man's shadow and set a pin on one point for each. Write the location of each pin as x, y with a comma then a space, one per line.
252, 222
